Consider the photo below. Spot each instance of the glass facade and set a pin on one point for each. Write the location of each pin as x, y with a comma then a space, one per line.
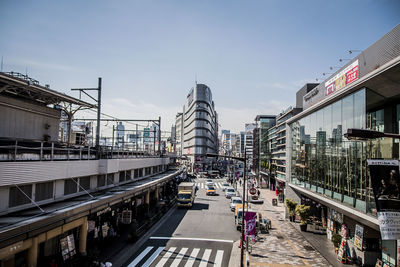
323, 161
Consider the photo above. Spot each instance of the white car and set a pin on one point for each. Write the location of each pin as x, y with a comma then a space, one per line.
225, 186
234, 202
210, 183
230, 192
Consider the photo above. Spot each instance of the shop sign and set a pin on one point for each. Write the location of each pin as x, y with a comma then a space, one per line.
343, 78
67, 245
103, 211
90, 226
385, 185
358, 237
336, 216
250, 220
126, 217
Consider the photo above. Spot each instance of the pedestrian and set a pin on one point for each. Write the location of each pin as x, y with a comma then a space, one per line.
258, 193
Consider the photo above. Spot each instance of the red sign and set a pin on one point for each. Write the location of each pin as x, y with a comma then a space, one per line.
252, 191
352, 75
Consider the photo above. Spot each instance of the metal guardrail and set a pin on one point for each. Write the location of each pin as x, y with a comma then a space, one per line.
22, 150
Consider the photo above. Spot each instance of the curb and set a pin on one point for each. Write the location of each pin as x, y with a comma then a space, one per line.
234, 260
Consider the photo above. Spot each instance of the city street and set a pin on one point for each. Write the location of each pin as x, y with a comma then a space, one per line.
200, 236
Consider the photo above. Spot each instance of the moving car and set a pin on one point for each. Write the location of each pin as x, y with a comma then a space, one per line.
186, 194
210, 191
210, 183
225, 186
234, 202
230, 192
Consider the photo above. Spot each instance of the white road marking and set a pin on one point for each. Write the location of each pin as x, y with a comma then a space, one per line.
140, 257
166, 257
179, 257
192, 257
153, 257
205, 258
190, 238
218, 258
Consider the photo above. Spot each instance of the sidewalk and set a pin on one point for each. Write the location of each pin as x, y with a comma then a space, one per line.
286, 245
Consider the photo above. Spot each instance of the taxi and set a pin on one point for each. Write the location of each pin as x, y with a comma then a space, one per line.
210, 191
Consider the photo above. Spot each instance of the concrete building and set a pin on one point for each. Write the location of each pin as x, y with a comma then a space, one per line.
200, 127
248, 142
179, 133
330, 173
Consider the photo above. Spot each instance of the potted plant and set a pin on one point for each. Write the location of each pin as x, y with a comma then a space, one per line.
336, 240
291, 205
304, 212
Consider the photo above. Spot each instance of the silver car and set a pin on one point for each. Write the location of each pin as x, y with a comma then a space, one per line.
230, 192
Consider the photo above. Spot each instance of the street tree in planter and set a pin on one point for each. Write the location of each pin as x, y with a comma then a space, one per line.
291, 205
304, 213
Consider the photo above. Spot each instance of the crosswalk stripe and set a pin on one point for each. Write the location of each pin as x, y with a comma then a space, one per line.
140, 257
192, 257
153, 257
218, 258
205, 258
179, 257
166, 257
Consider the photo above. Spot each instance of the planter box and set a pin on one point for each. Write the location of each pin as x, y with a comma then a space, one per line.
303, 227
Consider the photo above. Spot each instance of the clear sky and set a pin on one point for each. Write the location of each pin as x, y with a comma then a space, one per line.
254, 55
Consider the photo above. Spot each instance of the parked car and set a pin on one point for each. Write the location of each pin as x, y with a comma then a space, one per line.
234, 202
230, 192
225, 186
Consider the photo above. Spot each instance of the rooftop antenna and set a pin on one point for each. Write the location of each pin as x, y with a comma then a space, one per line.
195, 78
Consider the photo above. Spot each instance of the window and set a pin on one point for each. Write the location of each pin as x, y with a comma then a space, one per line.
70, 186
128, 175
121, 176
101, 180
84, 183
18, 198
43, 191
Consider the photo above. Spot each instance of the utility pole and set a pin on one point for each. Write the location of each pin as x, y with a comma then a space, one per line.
159, 135
98, 100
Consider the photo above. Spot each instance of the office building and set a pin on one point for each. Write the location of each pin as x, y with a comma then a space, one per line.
330, 173
200, 127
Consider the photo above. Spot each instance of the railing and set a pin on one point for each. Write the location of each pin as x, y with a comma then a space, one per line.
30, 150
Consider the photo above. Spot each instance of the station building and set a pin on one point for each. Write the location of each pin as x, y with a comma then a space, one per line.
330, 173
56, 197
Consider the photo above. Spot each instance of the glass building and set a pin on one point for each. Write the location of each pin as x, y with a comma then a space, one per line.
329, 172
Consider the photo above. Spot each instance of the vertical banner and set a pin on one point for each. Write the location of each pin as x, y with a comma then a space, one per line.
250, 220
385, 186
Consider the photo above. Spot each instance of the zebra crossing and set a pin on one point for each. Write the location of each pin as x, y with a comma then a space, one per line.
218, 185
174, 257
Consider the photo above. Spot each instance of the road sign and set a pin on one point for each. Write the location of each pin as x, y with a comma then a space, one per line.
253, 191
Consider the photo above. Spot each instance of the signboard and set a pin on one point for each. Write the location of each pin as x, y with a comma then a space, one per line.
358, 237
250, 220
67, 245
342, 78
385, 185
253, 191
146, 132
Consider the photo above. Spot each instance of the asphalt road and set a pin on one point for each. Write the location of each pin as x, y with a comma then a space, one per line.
200, 236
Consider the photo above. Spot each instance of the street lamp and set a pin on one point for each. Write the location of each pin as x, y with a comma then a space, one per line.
243, 197
363, 134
